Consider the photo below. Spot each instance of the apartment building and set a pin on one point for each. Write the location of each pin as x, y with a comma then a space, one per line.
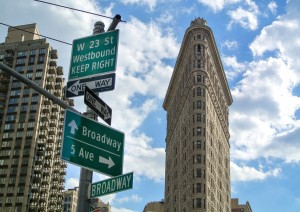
31, 171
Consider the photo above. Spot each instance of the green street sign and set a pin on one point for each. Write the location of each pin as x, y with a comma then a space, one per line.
94, 55
92, 145
112, 185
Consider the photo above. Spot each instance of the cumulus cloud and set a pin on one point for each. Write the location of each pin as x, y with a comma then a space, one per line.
262, 117
272, 6
131, 198
247, 173
71, 183
232, 67
150, 3
217, 5
246, 18
231, 45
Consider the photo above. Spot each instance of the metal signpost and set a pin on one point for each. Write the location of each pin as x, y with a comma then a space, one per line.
94, 55
98, 105
112, 185
99, 83
92, 145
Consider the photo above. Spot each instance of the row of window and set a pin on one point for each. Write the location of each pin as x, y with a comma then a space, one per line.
23, 108
28, 133
18, 143
24, 100
11, 126
31, 52
21, 68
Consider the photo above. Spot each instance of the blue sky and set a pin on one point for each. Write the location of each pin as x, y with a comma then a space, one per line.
259, 44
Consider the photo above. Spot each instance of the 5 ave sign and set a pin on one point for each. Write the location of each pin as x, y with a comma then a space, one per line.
111, 185
94, 55
92, 145
98, 105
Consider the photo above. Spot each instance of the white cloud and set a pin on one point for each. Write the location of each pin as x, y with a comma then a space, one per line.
262, 110
272, 7
247, 19
217, 5
150, 3
262, 117
247, 173
232, 67
71, 183
131, 198
121, 210
231, 45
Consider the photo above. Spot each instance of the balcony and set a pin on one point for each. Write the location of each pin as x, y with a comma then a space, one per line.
46, 109
42, 135
54, 116
55, 109
52, 131
40, 152
48, 156
50, 86
63, 164
52, 70
58, 86
49, 147
44, 126
41, 143
63, 172
53, 63
47, 101
53, 54
47, 165
59, 79
60, 70
39, 161
45, 118
57, 93
51, 140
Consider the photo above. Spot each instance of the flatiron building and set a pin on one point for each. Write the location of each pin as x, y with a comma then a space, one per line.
197, 174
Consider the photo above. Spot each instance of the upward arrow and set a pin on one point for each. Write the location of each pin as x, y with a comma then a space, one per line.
73, 126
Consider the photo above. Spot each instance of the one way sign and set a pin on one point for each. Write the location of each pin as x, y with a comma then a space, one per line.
98, 105
99, 83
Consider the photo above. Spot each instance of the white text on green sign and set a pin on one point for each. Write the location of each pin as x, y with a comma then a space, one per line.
92, 145
94, 55
112, 185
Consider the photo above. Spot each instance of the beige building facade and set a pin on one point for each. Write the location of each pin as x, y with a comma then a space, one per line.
236, 207
197, 174
155, 207
70, 200
31, 171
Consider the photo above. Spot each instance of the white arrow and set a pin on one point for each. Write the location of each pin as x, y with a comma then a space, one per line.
98, 83
109, 162
103, 109
73, 126
75, 88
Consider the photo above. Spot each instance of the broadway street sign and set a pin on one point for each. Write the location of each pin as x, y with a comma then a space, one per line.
92, 145
100, 83
94, 55
112, 185
97, 105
